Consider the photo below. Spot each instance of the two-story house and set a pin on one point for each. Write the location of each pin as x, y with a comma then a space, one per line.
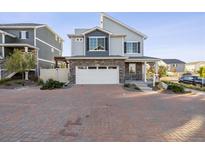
28, 37
108, 54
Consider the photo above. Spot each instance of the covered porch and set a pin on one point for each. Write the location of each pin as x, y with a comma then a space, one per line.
136, 69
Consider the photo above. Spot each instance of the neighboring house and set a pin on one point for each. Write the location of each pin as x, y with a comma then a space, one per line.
173, 65
30, 37
108, 54
193, 67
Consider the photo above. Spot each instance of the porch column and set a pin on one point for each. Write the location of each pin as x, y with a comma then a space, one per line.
2, 48
156, 71
145, 71
26, 49
26, 73
3, 52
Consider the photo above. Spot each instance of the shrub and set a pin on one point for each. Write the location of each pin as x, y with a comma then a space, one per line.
52, 84
176, 88
40, 82
3, 81
127, 85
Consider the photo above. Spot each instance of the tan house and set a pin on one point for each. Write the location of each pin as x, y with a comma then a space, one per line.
193, 67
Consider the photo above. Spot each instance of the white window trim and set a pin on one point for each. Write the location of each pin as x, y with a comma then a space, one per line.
134, 53
23, 32
97, 42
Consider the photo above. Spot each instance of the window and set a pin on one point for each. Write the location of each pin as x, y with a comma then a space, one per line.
56, 37
132, 47
174, 65
23, 35
97, 44
102, 67
82, 67
132, 68
112, 67
92, 67
78, 39
52, 49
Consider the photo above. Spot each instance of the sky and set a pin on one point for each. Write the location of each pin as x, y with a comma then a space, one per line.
170, 35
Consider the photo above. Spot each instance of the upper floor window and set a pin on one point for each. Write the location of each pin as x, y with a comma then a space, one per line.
78, 39
174, 65
132, 47
23, 35
96, 43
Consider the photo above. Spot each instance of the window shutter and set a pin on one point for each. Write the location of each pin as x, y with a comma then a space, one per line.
106, 44
125, 47
87, 44
139, 47
27, 35
19, 34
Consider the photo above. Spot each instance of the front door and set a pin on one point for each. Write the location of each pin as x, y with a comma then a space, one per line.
135, 71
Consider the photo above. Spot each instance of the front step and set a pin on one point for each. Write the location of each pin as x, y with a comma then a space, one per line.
142, 85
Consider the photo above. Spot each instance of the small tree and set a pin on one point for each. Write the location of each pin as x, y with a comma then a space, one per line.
162, 71
202, 71
20, 62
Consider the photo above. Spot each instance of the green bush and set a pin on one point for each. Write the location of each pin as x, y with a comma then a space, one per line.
176, 88
52, 84
127, 85
3, 81
40, 82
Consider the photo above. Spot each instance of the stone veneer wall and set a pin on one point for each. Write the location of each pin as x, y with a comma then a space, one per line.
94, 62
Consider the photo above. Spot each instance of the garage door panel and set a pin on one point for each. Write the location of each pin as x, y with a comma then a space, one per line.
97, 76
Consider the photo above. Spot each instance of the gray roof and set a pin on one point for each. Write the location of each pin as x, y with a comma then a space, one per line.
143, 57
22, 24
173, 61
79, 31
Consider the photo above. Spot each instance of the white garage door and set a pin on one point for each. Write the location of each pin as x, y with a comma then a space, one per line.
97, 75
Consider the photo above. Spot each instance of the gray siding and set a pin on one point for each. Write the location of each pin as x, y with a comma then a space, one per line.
116, 46
0, 38
47, 36
77, 47
16, 32
116, 28
178, 68
43, 64
0, 51
45, 51
9, 39
97, 53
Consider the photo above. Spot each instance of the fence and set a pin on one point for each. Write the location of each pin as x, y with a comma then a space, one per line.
59, 74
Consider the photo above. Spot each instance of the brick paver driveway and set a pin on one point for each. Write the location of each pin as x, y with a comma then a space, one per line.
100, 113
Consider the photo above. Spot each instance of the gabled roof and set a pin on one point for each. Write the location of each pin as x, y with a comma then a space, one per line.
122, 24
96, 28
28, 25
6, 33
173, 61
